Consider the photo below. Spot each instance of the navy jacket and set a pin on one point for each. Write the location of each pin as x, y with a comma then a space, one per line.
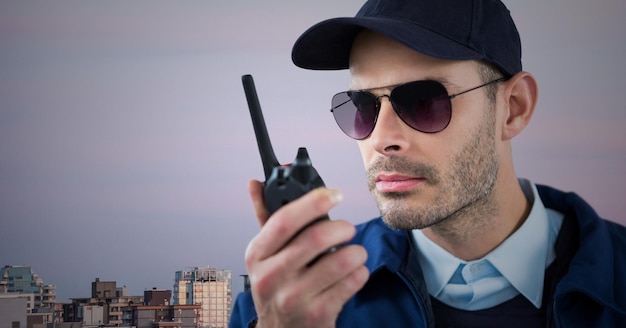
591, 294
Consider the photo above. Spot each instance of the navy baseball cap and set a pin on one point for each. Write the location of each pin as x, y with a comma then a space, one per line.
447, 29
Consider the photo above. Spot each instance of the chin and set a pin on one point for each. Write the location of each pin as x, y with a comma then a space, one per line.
400, 217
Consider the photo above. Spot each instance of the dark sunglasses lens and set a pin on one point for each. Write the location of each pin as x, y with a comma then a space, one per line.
423, 105
355, 112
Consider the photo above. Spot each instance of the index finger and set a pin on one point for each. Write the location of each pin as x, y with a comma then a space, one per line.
255, 188
290, 219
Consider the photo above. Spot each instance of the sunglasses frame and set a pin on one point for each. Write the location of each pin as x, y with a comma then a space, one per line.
396, 110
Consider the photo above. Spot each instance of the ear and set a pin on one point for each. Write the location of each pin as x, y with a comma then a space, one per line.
520, 96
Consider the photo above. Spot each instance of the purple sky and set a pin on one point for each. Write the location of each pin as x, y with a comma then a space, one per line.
126, 143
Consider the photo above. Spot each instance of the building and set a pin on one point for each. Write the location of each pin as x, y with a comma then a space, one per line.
109, 297
13, 312
162, 316
20, 285
209, 287
30, 299
157, 312
22, 279
92, 315
20, 305
103, 289
246, 282
157, 297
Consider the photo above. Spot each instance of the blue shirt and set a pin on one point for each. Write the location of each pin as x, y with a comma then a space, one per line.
521, 259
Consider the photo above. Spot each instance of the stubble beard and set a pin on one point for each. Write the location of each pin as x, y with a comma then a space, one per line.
465, 191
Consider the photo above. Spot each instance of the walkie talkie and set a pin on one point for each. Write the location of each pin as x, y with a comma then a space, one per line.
283, 183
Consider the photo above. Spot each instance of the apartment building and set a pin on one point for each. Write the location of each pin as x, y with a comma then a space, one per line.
104, 294
24, 294
21, 279
209, 287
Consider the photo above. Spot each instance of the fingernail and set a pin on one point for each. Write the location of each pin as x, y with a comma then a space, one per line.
335, 196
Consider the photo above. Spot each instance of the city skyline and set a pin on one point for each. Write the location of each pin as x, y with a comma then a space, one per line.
126, 143
201, 299
28, 273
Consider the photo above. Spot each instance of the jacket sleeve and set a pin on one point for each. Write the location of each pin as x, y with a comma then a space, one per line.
244, 314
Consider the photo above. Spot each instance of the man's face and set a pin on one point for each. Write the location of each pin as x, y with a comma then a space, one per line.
419, 179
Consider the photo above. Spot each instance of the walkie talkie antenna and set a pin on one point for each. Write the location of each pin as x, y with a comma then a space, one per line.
268, 157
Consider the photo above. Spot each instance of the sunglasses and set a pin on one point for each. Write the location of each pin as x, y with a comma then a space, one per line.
423, 105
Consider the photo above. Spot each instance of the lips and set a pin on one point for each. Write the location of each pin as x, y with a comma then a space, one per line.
396, 182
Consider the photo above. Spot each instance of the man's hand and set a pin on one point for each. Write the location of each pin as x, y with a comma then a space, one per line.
288, 290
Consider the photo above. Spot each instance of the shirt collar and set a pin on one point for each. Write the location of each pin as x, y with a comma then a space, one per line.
521, 259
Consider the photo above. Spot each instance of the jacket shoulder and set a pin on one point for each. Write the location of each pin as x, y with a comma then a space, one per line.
593, 292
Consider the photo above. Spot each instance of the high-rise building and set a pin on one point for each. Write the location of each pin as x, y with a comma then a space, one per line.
22, 279
209, 287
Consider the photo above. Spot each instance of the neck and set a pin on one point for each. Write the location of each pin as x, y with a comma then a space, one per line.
477, 229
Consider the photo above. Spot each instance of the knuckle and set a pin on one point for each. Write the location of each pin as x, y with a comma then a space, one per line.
348, 230
331, 233
352, 283
352, 258
280, 224
262, 284
251, 255
287, 301
318, 238
346, 262
359, 278
316, 314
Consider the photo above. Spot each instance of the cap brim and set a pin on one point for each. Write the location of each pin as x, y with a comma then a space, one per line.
327, 45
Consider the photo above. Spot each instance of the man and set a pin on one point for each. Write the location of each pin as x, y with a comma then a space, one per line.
437, 92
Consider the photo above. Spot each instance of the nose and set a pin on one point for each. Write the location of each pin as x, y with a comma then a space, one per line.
389, 136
